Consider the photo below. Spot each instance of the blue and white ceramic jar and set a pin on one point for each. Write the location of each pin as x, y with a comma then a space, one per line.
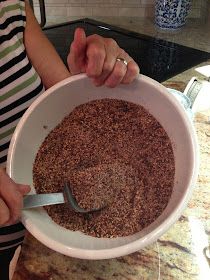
171, 14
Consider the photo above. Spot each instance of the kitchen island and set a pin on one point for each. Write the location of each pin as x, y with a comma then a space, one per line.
183, 251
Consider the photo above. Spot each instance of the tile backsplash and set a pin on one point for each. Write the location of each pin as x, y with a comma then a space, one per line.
63, 10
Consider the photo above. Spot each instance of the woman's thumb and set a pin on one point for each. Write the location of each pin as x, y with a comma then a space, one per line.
24, 189
77, 57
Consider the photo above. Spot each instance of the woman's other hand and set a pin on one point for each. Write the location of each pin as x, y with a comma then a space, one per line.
11, 199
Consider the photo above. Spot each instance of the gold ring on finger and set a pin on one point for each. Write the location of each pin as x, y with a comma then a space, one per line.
122, 60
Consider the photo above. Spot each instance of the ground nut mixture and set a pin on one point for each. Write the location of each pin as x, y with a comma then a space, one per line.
115, 154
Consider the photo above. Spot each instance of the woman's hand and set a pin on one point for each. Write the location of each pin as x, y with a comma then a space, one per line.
97, 57
11, 199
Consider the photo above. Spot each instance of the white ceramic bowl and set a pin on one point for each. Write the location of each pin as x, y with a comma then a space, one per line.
50, 108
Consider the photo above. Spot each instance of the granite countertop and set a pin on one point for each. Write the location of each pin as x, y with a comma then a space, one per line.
183, 251
194, 34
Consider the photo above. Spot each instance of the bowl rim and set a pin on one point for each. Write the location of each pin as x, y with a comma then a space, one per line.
140, 243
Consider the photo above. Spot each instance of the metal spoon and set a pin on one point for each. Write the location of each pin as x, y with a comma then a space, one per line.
37, 200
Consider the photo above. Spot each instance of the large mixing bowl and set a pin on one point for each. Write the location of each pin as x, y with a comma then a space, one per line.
50, 108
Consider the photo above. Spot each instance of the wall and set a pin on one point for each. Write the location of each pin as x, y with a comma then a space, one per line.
199, 9
63, 10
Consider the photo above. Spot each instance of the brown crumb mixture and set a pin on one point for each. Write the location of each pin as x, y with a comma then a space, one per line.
114, 153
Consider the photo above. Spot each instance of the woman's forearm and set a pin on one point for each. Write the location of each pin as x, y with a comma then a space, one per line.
41, 52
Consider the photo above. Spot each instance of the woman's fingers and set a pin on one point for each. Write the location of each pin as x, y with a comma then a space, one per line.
96, 54
108, 64
131, 73
123, 73
111, 51
124, 69
14, 203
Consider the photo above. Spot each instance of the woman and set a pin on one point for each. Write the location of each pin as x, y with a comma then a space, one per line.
29, 64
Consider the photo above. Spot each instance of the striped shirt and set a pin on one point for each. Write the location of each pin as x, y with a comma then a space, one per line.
19, 86
19, 82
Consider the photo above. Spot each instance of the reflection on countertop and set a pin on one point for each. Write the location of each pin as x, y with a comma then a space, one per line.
194, 34
183, 251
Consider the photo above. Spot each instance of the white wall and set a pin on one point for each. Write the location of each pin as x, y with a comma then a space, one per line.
63, 10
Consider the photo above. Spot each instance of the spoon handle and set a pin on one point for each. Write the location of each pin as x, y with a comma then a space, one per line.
37, 200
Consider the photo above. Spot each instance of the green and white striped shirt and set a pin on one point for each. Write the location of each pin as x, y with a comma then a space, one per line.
19, 82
